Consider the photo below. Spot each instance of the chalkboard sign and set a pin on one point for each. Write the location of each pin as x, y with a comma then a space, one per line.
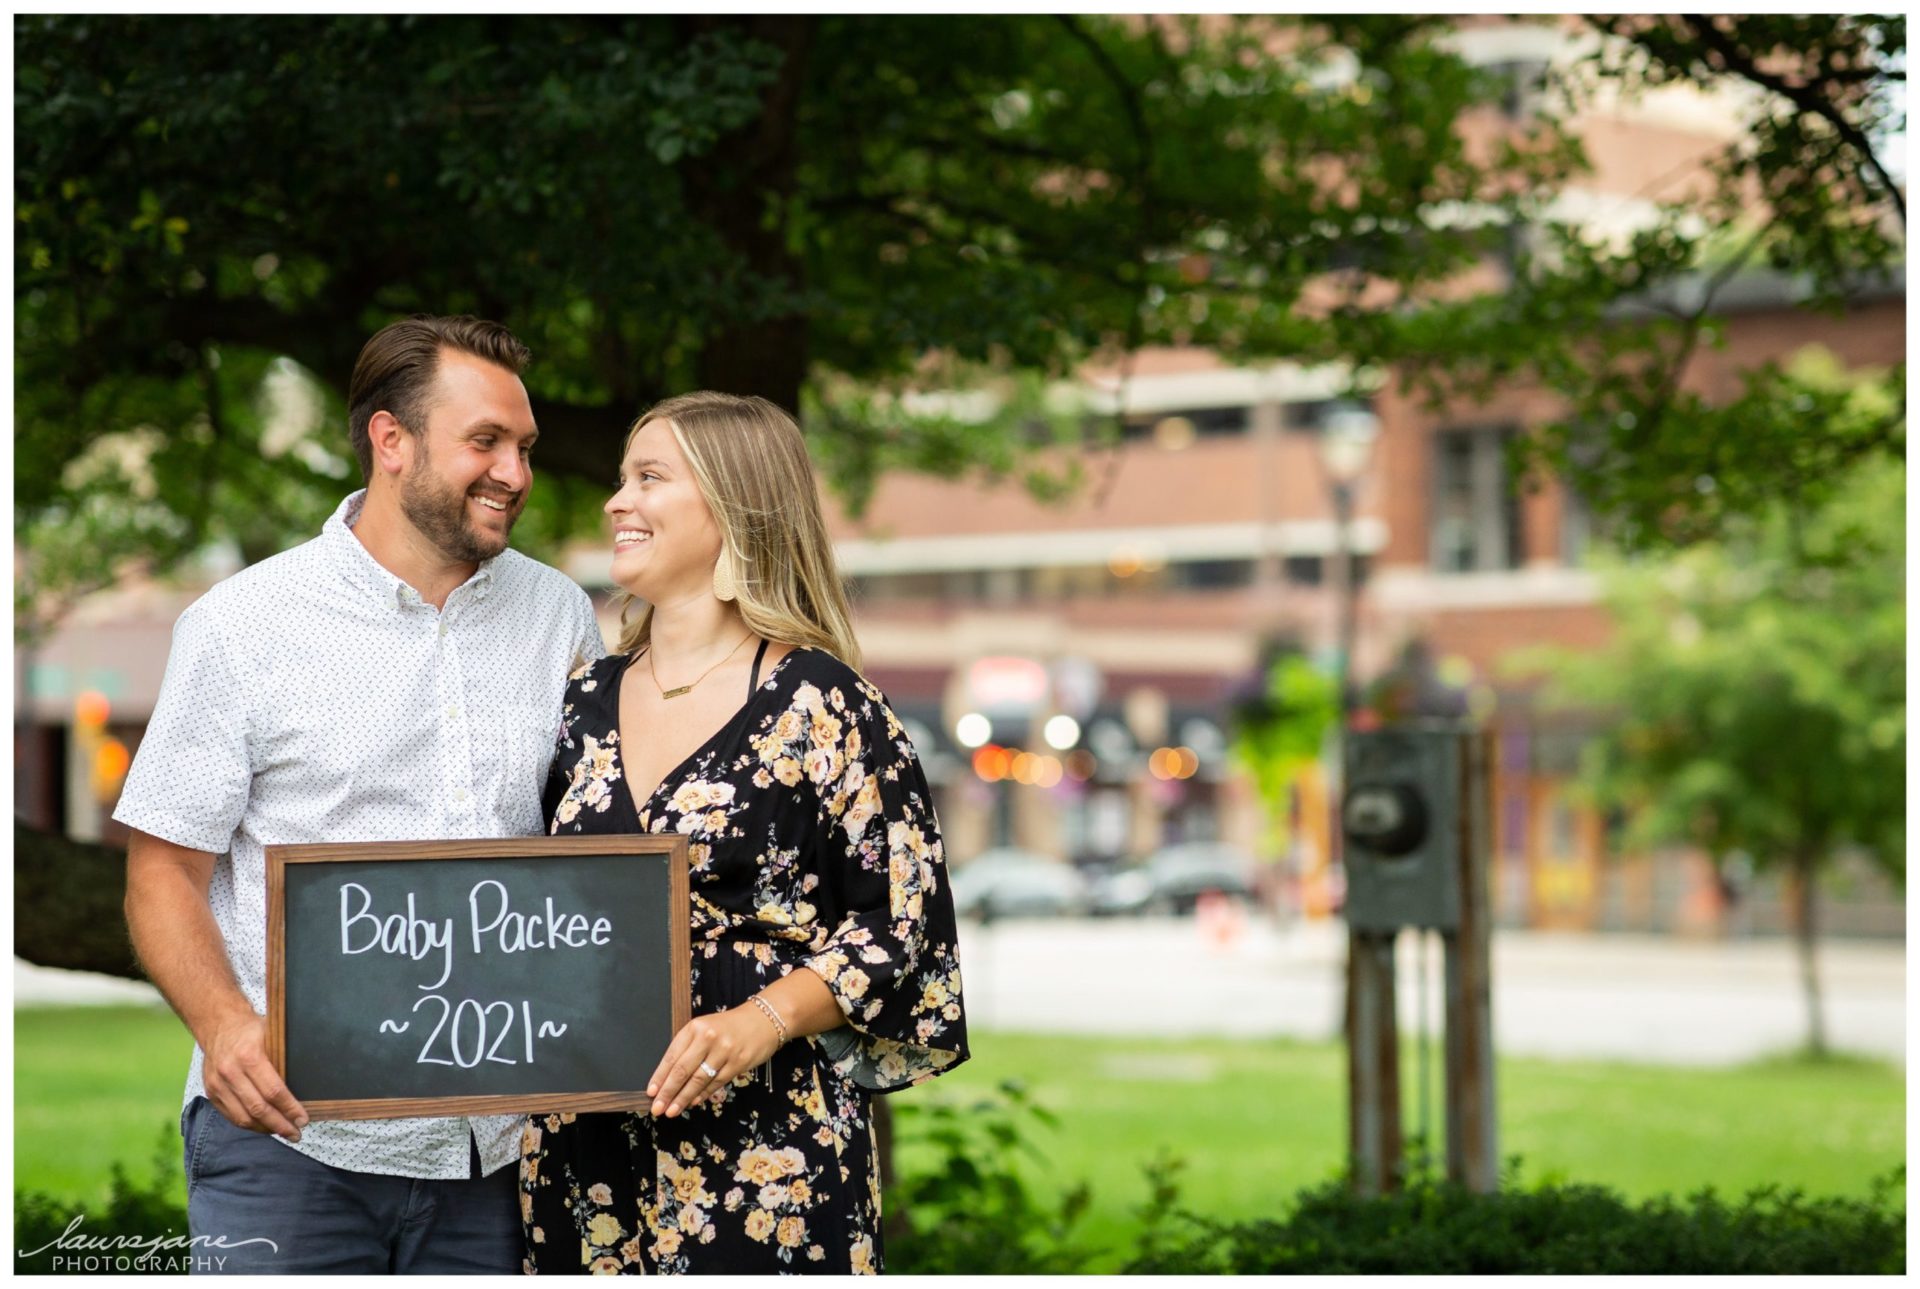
475, 977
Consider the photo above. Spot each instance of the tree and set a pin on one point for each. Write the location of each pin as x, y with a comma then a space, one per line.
1754, 694
1281, 728
761, 203
757, 204
751, 202
213, 213
1804, 192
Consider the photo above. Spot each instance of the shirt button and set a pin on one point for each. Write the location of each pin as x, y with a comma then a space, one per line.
459, 794
443, 628
453, 713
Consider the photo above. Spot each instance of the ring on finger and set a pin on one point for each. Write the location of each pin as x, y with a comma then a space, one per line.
709, 1071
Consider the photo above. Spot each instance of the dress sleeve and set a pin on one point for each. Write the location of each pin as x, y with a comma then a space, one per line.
893, 960
566, 750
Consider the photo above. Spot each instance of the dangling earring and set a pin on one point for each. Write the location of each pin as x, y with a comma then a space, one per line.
723, 584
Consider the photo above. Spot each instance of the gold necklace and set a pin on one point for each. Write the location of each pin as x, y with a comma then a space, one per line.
675, 693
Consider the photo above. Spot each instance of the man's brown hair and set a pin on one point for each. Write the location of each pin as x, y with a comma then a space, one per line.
395, 371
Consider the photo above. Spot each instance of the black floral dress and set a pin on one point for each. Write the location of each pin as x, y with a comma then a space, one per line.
812, 845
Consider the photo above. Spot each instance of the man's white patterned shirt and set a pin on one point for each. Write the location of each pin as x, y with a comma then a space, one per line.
315, 697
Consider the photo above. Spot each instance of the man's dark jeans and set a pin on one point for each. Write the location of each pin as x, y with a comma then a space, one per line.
242, 1185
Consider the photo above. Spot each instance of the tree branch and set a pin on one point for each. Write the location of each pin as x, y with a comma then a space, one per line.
1805, 97
1656, 411
1143, 185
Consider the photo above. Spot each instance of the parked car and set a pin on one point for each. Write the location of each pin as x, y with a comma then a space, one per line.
1005, 882
1120, 892
1181, 874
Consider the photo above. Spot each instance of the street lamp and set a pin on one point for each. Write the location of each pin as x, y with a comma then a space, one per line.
1373, 1137
1347, 436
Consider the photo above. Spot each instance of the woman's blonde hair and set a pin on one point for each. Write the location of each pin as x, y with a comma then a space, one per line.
751, 465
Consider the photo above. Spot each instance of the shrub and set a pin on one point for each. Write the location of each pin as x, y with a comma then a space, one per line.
1435, 1227
972, 1214
136, 1218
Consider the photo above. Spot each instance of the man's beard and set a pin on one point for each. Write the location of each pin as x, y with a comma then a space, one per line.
441, 516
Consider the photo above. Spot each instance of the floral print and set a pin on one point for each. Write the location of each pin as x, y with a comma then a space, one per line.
812, 846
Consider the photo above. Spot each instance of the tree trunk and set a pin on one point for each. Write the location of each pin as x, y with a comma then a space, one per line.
893, 1214
1804, 931
68, 899
756, 354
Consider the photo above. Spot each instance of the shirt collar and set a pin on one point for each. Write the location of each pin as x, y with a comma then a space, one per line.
359, 566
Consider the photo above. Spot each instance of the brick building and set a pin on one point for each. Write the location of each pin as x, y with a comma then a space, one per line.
1145, 601
1209, 531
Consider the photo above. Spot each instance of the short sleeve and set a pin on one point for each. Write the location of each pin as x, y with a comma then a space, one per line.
190, 779
588, 644
892, 962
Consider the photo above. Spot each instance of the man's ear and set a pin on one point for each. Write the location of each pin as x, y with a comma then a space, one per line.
393, 447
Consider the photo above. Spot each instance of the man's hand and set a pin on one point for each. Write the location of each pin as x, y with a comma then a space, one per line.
242, 1083
180, 945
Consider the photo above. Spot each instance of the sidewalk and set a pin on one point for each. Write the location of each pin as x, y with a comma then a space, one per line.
47, 986
1634, 998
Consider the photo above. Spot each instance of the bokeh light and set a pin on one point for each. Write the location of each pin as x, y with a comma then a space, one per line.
992, 763
1062, 732
972, 730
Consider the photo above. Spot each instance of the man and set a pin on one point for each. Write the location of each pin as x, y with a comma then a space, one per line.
398, 677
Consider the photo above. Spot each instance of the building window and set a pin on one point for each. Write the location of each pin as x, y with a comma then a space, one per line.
1521, 83
1316, 570
1576, 528
1476, 507
1166, 428
1304, 416
1310, 416
1211, 574
1052, 583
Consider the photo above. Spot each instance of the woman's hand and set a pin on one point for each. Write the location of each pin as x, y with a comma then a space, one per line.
729, 1043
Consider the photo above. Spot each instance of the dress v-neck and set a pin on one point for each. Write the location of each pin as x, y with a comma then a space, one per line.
642, 805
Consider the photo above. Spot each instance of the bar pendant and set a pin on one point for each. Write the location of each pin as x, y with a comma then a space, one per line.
675, 693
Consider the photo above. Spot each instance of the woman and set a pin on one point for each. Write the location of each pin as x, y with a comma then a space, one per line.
824, 963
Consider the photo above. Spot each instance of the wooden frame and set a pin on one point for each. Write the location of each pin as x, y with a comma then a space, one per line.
671, 849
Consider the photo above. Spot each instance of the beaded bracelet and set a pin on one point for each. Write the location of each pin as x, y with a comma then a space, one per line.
779, 1025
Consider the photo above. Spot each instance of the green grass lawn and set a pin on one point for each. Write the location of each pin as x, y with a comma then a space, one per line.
92, 1086
1253, 1121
